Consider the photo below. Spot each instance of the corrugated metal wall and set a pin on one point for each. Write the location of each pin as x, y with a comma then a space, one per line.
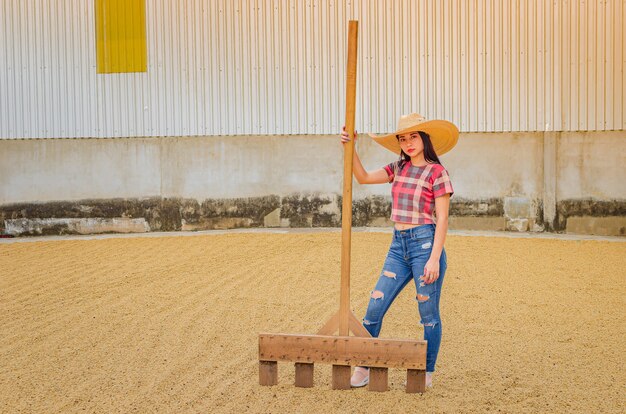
225, 67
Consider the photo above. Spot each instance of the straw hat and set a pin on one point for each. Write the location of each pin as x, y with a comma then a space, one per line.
443, 134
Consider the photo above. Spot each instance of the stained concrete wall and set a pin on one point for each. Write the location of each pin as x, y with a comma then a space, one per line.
591, 165
516, 181
72, 169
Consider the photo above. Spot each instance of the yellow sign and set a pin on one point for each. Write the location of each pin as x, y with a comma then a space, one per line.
121, 36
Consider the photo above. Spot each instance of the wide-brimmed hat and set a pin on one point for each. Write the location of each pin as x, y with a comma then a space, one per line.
443, 134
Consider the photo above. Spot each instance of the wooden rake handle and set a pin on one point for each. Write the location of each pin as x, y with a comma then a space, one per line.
346, 212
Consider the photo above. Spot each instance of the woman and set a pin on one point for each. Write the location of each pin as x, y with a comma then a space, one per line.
420, 187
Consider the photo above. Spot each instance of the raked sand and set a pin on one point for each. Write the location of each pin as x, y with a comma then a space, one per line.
170, 324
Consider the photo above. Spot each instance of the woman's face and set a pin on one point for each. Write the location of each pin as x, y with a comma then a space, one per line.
411, 144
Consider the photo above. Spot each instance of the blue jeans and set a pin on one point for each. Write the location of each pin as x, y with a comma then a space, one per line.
409, 251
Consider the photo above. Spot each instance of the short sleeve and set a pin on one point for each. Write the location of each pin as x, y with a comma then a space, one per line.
391, 170
441, 183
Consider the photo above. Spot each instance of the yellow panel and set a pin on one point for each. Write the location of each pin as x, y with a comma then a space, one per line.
121, 36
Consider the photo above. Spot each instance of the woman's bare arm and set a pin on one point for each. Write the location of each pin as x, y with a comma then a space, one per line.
431, 270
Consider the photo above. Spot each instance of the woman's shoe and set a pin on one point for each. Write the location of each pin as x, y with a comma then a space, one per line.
360, 377
429, 380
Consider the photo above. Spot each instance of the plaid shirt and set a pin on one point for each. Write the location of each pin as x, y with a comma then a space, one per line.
414, 190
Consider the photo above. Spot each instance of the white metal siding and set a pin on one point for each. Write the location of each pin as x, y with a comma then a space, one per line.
234, 67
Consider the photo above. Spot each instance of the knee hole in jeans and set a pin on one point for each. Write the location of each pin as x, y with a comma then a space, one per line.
389, 274
422, 298
377, 294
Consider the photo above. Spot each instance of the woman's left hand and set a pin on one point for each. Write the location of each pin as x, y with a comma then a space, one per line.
431, 271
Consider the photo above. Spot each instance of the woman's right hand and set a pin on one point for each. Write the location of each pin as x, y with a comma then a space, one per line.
345, 137
362, 176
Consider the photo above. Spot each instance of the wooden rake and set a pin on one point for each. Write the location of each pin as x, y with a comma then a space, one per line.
333, 343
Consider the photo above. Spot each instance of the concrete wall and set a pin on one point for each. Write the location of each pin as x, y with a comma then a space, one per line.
591, 165
515, 181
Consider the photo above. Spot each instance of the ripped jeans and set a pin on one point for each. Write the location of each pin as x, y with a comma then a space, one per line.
409, 251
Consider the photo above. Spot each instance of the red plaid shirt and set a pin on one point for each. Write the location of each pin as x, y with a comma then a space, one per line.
414, 190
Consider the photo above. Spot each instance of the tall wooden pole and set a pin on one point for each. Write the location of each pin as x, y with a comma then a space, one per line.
346, 211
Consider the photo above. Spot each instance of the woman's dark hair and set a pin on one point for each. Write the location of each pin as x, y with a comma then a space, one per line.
429, 152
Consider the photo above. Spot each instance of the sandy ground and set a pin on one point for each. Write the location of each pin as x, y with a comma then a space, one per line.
170, 324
